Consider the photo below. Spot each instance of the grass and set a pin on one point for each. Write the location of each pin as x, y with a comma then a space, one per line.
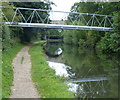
55, 40
7, 69
22, 59
47, 83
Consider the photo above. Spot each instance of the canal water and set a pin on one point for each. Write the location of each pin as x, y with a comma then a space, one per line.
89, 74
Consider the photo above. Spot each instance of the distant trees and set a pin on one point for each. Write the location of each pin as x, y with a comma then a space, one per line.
105, 41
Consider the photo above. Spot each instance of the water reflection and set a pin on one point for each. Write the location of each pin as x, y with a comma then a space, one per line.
94, 75
52, 49
60, 68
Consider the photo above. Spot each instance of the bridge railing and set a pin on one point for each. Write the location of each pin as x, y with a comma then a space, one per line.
45, 17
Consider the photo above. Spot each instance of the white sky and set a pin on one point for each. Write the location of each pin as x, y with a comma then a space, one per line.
61, 5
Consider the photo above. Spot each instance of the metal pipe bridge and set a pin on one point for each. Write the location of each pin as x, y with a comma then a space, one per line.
42, 18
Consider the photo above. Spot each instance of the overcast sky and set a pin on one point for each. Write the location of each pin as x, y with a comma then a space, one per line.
61, 5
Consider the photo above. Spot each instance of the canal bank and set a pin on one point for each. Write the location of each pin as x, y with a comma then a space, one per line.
47, 83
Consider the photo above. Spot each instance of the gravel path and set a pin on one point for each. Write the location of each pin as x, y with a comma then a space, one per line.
23, 86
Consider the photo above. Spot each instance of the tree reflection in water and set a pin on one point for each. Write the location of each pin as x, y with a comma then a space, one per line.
86, 63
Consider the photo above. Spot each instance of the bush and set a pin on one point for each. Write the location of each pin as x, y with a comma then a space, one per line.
110, 43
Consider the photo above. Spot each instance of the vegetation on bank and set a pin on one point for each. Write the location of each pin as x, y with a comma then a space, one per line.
47, 83
55, 40
7, 69
104, 41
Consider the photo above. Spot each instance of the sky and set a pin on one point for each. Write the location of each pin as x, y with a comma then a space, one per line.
61, 5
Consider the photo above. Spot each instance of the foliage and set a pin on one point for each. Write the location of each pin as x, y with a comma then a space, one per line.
116, 23
6, 37
9, 35
110, 42
9, 12
48, 84
8, 41
104, 8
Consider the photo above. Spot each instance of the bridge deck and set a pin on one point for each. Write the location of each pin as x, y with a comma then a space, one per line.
89, 79
56, 26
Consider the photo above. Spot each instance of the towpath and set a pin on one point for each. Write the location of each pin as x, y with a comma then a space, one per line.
23, 87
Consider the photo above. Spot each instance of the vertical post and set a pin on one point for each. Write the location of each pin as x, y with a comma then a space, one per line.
2, 14
14, 16
92, 19
84, 19
48, 19
79, 19
105, 21
39, 16
32, 16
22, 16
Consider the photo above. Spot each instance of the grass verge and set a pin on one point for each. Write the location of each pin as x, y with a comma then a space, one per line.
55, 40
47, 83
7, 70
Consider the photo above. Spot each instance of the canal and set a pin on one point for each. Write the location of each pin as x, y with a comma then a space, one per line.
88, 73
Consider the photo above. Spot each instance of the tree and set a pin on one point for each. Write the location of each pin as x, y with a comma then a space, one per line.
111, 41
9, 35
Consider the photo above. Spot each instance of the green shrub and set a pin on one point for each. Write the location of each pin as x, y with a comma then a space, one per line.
110, 42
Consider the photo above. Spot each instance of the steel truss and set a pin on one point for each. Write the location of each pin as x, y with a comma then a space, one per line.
77, 21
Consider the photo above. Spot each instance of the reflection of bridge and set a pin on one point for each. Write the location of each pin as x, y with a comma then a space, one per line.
92, 86
89, 79
77, 21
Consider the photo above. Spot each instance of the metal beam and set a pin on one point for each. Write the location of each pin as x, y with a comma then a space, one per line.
54, 26
89, 79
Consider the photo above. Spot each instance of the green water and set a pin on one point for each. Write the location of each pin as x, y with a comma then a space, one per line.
95, 74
